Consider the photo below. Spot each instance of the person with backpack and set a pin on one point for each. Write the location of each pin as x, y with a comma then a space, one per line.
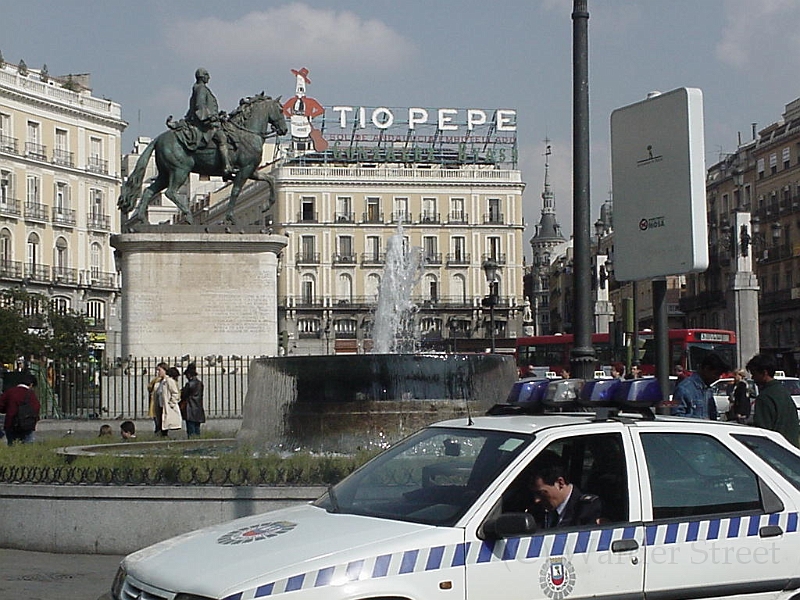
21, 407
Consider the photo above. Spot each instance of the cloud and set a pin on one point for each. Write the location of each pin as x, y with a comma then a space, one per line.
293, 35
758, 34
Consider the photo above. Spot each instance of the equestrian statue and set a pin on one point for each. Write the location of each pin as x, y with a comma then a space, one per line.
208, 142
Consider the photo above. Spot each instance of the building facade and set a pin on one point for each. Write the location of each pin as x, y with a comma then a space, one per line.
762, 180
457, 206
59, 182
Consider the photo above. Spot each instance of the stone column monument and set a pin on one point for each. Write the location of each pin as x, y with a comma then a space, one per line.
744, 288
198, 293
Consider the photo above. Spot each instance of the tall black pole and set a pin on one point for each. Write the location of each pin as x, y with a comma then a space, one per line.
582, 357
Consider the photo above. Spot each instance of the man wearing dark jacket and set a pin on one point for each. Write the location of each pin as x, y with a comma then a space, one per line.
192, 399
774, 407
9, 404
564, 503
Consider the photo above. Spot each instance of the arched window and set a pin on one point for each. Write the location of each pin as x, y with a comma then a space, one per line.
61, 256
344, 288
308, 290
33, 250
431, 288
459, 288
6, 246
60, 304
373, 285
96, 312
96, 259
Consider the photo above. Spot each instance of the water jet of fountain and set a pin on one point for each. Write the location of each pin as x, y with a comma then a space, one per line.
395, 329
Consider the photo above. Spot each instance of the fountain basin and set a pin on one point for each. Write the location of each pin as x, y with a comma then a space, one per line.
343, 403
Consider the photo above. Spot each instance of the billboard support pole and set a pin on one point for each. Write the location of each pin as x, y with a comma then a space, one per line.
582, 356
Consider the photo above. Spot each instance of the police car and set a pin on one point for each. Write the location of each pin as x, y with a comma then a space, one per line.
689, 509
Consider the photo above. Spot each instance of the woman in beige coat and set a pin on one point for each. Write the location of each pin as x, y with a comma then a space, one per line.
167, 397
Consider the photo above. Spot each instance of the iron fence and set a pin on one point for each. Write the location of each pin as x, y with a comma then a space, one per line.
119, 390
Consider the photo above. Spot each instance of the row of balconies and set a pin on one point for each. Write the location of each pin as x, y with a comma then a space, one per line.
425, 218
379, 258
60, 157
58, 216
369, 302
46, 274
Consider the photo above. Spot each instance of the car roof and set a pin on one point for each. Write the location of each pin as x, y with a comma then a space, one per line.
528, 424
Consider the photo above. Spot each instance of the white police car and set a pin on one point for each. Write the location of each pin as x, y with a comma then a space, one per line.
690, 509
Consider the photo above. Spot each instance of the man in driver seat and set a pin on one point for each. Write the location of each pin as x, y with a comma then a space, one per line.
563, 502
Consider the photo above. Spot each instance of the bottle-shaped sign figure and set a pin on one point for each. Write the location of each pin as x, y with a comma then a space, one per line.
301, 110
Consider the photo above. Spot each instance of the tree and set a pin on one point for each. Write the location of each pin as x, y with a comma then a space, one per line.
31, 326
69, 336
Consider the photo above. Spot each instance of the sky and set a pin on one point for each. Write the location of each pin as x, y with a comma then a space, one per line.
517, 54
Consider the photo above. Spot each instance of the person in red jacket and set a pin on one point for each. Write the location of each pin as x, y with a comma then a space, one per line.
9, 404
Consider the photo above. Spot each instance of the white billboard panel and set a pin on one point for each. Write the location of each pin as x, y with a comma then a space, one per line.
658, 179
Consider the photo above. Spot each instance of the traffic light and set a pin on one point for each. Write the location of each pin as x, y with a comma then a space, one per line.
283, 340
640, 350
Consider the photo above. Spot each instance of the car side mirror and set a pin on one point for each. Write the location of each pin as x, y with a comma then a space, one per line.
510, 525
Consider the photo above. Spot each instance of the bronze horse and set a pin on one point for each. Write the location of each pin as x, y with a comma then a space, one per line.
249, 125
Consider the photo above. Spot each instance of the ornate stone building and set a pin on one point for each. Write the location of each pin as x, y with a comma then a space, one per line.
547, 244
59, 181
761, 179
340, 207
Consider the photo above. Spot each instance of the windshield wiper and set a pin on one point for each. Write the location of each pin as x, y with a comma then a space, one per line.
332, 497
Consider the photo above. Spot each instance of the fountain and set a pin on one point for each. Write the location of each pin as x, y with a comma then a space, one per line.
345, 402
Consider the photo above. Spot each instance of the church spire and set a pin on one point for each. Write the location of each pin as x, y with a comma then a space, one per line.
548, 230
549, 205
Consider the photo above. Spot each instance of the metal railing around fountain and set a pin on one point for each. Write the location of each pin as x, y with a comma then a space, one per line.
118, 390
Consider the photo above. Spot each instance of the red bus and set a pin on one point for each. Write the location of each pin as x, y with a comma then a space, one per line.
687, 347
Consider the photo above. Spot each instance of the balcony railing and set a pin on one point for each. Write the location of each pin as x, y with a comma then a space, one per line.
9, 207
493, 218
63, 157
344, 217
372, 216
97, 165
432, 258
65, 276
500, 259
431, 218
458, 217
369, 302
37, 151
34, 211
373, 258
307, 258
8, 144
10, 269
37, 272
703, 300
307, 217
401, 216
63, 216
344, 258
98, 221
776, 253
102, 279
458, 259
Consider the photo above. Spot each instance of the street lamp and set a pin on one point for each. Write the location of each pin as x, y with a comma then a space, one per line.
490, 268
759, 240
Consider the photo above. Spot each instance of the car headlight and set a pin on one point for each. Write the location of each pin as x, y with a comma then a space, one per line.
118, 583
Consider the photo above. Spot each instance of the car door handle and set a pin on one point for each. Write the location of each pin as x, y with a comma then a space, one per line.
770, 531
624, 545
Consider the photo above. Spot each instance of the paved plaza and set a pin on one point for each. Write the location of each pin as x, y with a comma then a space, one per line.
43, 576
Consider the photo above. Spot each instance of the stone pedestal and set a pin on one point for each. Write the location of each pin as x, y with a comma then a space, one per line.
198, 293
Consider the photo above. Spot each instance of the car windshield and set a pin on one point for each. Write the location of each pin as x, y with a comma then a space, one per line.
431, 477
792, 386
